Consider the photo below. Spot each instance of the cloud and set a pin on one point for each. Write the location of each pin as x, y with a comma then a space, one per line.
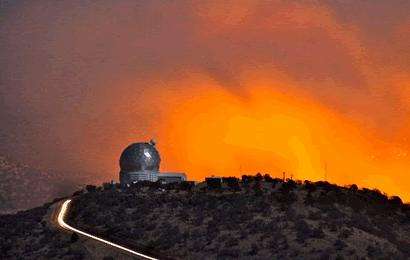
79, 79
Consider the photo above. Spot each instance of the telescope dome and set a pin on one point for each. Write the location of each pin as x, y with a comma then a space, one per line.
140, 157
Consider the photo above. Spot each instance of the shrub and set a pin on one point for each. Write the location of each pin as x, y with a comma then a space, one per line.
339, 244
107, 186
246, 179
213, 183
258, 177
186, 185
309, 186
74, 237
353, 187
267, 178
231, 182
395, 201
91, 188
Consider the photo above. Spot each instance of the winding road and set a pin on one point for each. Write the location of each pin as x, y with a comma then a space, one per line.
64, 225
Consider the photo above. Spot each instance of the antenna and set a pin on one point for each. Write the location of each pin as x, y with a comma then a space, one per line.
325, 171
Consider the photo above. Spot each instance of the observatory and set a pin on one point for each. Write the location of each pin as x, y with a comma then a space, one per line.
140, 162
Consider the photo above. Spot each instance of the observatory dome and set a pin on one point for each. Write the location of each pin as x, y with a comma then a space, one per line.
140, 157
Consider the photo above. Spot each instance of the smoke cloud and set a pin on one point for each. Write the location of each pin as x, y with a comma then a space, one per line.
314, 89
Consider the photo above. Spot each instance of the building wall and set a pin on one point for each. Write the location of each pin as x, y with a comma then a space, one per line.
131, 177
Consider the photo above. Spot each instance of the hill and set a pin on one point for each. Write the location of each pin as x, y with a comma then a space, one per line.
253, 218
24, 187
260, 218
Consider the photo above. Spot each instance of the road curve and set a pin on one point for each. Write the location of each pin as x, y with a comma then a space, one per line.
64, 225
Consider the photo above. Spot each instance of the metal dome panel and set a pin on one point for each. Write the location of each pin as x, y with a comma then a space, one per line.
140, 157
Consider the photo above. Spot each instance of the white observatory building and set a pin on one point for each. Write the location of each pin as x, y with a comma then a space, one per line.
140, 162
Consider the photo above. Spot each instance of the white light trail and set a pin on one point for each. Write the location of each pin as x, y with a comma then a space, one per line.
62, 223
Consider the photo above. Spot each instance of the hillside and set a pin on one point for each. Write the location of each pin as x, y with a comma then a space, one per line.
32, 234
24, 187
252, 218
257, 218
27, 235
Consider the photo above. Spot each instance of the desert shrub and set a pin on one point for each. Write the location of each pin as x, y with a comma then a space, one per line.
74, 237
231, 242
315, 215
267, 178
257, 188
246, 179
253, 250
373, 251
303, 231
339, 244
345, 233
361, 222
91, 188
285, 198
309, 200
353, 187
288, 186
258, 177
309, 186
108, 186
403, 246
326, 186
231, 182
317, 233
213, 183
395, 201
187, 185
228, 253
77, 193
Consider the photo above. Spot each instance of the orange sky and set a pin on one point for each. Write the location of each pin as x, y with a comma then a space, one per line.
226, 87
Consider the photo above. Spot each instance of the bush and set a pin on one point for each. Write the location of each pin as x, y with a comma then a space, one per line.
258, 177
108, 186
213, 183
74, 237
339, 244
91, 188
231, 182
309, 186
267, 178
353, 187
288, 186
186, 185
246, 179
395, 201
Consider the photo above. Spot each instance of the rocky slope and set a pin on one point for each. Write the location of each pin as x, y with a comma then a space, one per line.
23, 187
252, 218
255, 219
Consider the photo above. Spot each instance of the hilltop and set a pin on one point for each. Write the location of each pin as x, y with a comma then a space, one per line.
250, 218
255, 217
